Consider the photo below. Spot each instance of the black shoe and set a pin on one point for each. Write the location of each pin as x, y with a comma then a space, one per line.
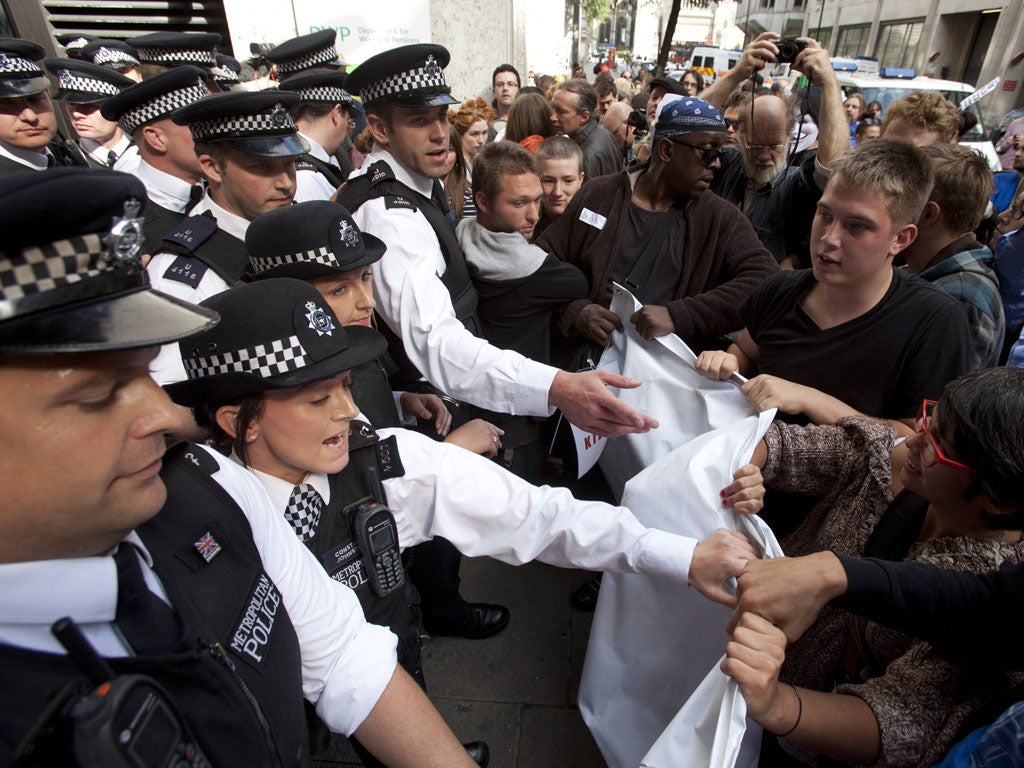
585, 597
477, 621
479, 752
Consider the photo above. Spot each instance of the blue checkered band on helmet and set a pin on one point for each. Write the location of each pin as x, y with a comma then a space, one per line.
69, 81
327, 94
206, 57
161, 106
114, 56
74, 45
277, 122
228, 78
429, 76
11, 63
322, 255
264, 360
307, 60
43, 268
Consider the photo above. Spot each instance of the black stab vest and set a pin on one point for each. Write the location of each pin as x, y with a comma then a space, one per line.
238, 644
335, 546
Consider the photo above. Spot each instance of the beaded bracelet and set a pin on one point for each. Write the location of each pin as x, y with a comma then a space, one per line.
799, 712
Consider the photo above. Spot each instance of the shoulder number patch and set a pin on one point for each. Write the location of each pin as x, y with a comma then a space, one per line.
187, 270
399, 201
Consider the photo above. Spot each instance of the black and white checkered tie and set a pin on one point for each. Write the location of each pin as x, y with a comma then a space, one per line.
303, 511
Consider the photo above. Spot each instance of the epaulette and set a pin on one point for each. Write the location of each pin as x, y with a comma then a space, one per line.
305, 165
192, 456
192, 232
389, 462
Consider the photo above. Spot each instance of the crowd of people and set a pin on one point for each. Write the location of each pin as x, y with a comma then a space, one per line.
275, 358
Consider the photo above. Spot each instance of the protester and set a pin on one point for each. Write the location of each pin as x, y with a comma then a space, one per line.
922, 117
505, 87
529, 121
560, 165
574, 114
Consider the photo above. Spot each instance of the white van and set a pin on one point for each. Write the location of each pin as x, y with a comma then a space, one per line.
712, 62
889, 85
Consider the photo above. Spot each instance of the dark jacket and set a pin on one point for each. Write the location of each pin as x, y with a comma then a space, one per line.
601, 154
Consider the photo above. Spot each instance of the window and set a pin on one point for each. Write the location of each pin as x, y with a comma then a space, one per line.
897, 43
823, 36
852, 40
798, 3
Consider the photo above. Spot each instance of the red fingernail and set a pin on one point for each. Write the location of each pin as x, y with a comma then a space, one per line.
725, 503
722, 493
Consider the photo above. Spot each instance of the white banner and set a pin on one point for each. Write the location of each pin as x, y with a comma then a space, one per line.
365, 29
651, 692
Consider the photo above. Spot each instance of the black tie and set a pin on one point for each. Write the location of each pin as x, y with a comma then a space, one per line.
148, 624
111, 158
195, 194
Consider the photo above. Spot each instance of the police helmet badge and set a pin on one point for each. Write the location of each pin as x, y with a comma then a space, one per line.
65, 80
431, 68
279, 116
348, 234
124, 241
5, 63
319, 320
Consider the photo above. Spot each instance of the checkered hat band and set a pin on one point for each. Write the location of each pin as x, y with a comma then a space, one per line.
322, 56
165, 56
326, 94
235, 126
322, 255
43, 268
265, 360
74, 45
405, 83
303, 511
114, 56
10, 63
79, 84
161, 106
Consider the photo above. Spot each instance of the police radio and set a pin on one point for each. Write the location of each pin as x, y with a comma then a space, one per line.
376, 534
127, 720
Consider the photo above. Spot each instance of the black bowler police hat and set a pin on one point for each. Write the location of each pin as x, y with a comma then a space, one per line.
172, 49
225, 74
319, 86
79, 82
309, 240
409, 76
19, 73
256, 122
273, 334
115, 54
70, 275
316, 49
155, 98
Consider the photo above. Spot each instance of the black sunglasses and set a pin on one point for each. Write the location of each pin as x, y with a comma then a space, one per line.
708, 155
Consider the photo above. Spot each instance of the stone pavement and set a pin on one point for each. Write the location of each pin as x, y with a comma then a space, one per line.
516, 690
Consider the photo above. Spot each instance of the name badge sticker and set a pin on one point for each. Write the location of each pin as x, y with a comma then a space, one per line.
595, 220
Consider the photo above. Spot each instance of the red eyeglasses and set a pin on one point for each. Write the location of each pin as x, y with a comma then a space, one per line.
931, 453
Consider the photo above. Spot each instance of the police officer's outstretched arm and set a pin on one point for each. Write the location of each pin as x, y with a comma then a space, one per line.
404, 729
586, 401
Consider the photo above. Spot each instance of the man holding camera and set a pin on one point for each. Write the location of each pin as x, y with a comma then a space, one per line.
779, 199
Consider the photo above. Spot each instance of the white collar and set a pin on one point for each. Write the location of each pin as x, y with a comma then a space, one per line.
415, 181
99, 153
31, 158
231, 223
42, 591
317, 151
280, 490
165, 190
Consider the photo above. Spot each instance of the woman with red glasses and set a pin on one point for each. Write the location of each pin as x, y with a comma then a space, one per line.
950, 495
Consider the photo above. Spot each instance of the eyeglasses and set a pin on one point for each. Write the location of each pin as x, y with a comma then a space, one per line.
758, 148
931, 453
708, 155
731, 123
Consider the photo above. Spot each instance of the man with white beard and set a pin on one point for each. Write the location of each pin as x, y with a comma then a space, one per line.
779, 199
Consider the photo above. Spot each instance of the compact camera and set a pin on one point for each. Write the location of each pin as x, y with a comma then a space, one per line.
789, 49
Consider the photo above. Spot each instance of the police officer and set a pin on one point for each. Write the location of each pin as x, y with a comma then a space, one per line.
168, 165
317, 50
83, 87
28, 127
322, 118
246, 144
73, 43
173, 567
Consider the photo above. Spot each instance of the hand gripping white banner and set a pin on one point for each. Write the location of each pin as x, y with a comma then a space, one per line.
652, 693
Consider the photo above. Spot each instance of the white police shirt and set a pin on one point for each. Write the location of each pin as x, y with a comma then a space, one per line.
168, 368
163, 189
484, 509
414, 302
346, 662
127, 154
313, 185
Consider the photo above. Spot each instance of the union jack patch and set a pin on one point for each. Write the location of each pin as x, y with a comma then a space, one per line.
207, 546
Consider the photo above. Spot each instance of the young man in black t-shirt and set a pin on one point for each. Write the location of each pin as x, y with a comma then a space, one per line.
852, 334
